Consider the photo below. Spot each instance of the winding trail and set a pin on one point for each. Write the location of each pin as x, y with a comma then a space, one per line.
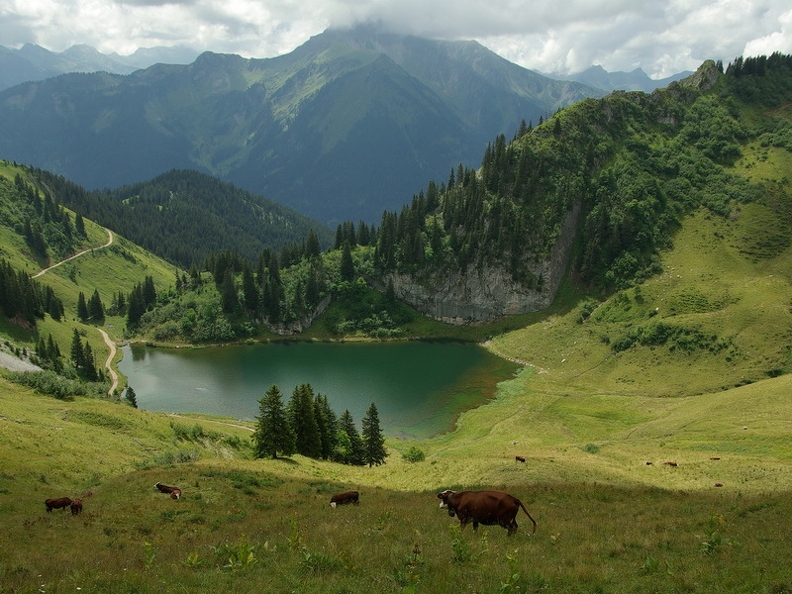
110, 238
107, 340
109, 362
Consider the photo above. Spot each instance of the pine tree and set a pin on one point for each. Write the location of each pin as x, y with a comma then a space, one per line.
89, 364
95, 306
136, 307
79, 225
347, 264
328, 425
303, 422
373, 439
77, 352
352, 450
249, 289
273, 433
312, 247
131, 396
82, 308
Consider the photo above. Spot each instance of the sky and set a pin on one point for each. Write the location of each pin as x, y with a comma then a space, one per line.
662, 37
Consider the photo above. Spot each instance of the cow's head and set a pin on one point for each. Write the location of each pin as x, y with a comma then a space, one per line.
443, 497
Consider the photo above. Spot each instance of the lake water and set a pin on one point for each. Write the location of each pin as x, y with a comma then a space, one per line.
419, 388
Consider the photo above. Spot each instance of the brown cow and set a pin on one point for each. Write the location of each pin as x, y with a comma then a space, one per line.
76, 506
174, 492
519, 459
345, 498
490, 508
57, 503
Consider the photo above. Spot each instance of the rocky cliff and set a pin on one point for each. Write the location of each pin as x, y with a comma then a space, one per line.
487, 293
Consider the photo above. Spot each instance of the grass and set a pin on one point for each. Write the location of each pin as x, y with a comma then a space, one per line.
596, 425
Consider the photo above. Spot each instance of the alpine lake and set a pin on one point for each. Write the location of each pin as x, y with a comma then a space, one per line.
419, 388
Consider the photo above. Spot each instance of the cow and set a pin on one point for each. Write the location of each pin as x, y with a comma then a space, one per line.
519, 459
345, 498
490, 508
57, 503
174, 492
76, 506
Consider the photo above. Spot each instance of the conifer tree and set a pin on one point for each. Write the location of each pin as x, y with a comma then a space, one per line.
303, 421
273, 433
77, 352
89, 364
353, 452
131, 396
347, 264
82, 308
95, 306
373, 439
328, 425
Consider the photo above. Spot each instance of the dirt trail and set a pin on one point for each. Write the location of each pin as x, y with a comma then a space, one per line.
210, 421
77, 255
108, 341
109, 362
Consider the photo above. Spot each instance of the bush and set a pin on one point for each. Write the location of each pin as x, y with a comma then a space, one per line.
414, 454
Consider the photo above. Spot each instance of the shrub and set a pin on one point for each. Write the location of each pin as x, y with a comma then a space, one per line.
414, 454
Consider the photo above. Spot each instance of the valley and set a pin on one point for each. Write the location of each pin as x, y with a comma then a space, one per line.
650, 404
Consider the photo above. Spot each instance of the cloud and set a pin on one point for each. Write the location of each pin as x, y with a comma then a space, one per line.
550, 36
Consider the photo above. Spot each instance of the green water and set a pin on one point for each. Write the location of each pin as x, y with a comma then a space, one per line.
419, 387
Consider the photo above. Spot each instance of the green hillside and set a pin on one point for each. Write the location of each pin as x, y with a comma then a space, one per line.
689, 366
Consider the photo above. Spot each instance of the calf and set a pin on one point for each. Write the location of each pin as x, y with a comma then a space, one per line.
174, 492
345, 498
57, 503
76, 506
490, 508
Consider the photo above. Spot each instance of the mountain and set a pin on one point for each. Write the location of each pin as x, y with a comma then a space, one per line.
185, 216
34, 63
636, 80
347, 125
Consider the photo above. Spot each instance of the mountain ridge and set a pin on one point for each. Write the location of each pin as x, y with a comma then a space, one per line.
257, 122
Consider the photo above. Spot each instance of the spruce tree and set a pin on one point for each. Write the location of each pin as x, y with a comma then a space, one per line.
82, 308
328, 425
89, 364
354, 453
95, 306
347, 264
373, 439
131, 396
303, 422
77, 352
273, 433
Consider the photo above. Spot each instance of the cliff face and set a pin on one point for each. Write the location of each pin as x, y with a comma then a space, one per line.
485, 294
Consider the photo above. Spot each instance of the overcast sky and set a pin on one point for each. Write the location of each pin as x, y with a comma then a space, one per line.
661, 36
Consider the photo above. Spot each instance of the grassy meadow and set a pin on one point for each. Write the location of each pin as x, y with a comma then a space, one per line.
691, 367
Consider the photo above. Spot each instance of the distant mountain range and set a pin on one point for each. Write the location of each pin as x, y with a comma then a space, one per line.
635, 80
348, 125
33, 62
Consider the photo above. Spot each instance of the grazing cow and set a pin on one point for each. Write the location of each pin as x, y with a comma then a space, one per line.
345, 498
76, 506
57, 503
671, 463
519, 459
490, 508
174, 492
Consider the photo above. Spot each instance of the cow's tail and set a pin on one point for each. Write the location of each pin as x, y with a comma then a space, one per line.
529, 515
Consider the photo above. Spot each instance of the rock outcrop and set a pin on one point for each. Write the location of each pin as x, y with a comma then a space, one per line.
488, 293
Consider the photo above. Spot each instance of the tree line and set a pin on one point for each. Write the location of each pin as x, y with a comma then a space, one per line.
307, 425
183, 216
